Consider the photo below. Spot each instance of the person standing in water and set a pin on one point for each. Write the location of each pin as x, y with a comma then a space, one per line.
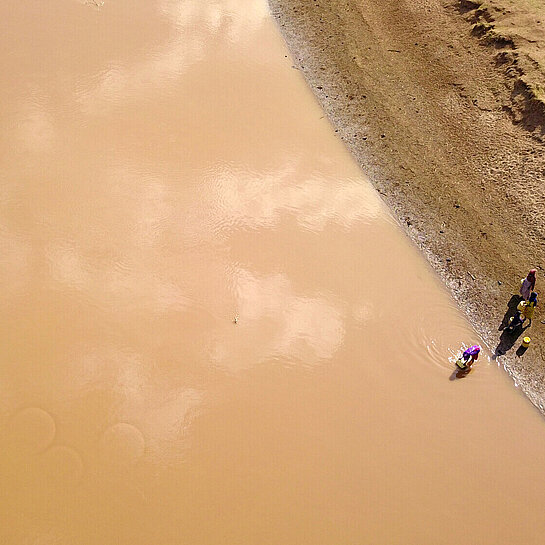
469, 357
528, 284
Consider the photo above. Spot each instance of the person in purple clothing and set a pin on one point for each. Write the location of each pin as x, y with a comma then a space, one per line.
528, 284
469, 357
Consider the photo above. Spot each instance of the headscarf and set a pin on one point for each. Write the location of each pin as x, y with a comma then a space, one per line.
473, 350
533, 298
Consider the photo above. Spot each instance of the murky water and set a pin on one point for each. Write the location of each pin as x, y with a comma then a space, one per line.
165, 169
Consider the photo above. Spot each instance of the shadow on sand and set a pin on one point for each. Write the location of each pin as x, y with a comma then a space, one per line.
507, 340
511, 311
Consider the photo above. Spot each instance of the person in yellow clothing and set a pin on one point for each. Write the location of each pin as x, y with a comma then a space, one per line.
529, 308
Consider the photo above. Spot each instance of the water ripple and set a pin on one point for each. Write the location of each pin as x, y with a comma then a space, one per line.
440, 332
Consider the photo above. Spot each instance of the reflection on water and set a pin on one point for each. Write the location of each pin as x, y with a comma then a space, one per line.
258, 200
274, 322
165, 169
219, 24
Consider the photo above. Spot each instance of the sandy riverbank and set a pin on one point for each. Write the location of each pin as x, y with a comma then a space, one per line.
433, 109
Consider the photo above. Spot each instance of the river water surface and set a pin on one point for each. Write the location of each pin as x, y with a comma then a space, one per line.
165, 170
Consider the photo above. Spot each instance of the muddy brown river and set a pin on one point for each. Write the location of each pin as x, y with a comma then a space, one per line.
165, 173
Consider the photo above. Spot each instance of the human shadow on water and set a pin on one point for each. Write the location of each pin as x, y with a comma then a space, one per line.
507, 340
460, 373
510, 312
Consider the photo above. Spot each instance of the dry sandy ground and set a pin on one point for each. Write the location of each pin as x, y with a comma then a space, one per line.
439, 102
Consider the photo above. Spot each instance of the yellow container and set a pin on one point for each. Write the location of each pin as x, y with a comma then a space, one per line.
526, 342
